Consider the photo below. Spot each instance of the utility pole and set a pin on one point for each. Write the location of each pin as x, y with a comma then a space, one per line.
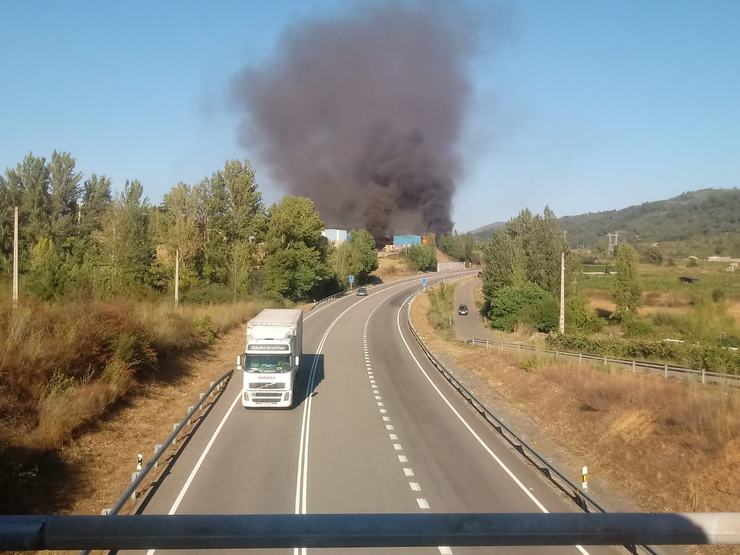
613, 241
562, 293
15, 259
177, 277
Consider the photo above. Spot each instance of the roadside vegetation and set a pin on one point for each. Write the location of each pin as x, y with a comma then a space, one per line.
96, 321
441, 308
64, 366
421, 258
670, 445
521, 285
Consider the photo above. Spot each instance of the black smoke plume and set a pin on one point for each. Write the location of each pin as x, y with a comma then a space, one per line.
363, 113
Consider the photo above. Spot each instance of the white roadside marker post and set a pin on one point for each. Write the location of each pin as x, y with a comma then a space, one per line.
584, 478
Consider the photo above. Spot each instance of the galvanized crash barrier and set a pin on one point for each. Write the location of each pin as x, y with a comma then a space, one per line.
141, 473
557, 477
665, 370
330, 298
180, 532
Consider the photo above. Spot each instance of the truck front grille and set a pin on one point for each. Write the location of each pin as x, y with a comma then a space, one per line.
257, 385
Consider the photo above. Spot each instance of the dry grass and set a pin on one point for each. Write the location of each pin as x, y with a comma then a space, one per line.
392, 265
668, 444
63, 368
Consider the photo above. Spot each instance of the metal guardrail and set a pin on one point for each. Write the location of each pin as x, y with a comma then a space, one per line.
556, 476
138, 477
25, 533
330, 298
665, 369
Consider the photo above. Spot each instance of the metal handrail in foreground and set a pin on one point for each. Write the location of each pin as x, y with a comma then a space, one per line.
25, 533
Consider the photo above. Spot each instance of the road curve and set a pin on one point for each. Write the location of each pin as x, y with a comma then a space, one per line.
377, 431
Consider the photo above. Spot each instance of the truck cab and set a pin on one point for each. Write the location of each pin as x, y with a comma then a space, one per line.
271, 359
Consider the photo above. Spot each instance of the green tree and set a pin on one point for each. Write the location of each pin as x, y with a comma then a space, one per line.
423, 258
509, 303
296, 250
96, 201
125, 252
543, 243
28, 188
175, 227
503, 256
458, 246
626, 291
65, 190
45, 276
357, 256
231, 220
6, 226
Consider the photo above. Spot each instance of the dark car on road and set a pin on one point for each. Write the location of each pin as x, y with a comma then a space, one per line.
361, 292
462, 310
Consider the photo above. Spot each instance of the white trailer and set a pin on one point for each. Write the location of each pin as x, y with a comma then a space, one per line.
272, 357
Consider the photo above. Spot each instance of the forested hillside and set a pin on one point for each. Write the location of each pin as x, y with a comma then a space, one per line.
711, 214
699, 223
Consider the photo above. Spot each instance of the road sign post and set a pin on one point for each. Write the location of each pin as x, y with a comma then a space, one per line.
424, 283
351, 279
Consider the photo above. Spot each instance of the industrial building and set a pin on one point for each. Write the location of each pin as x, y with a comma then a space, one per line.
403, 241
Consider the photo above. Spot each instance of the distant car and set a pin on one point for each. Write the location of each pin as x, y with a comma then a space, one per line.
462, 310
361, 292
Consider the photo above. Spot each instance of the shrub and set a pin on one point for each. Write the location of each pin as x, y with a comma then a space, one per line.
441, 301
634, 326
718, 295
507, 303
423, 258
712, 358
542, 315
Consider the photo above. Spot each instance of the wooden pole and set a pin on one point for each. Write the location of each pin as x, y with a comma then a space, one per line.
177, 277
562, 293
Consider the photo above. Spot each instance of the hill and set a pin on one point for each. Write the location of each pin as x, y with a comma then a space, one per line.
483, 233
699, 223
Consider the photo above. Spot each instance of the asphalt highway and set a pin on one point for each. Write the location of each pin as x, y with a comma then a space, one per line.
374, 429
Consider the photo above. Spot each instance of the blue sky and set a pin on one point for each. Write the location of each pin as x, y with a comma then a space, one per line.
585, 105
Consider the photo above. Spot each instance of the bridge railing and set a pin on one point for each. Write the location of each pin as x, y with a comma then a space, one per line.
180, 532
665, 369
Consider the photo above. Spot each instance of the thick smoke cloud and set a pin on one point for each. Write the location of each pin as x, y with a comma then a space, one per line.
363, 113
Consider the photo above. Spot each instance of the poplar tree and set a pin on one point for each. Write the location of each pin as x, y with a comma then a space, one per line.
626, 291
65, 189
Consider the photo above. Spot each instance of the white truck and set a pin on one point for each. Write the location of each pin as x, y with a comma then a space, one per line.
271, 358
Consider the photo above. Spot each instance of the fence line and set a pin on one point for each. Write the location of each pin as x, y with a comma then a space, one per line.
664, 369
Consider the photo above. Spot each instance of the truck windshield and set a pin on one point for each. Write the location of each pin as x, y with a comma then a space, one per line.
268, 363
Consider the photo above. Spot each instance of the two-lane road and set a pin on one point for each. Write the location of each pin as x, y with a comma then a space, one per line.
377, 431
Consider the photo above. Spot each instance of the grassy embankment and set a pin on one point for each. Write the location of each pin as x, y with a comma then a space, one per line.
663, 292
65, 367
668, 444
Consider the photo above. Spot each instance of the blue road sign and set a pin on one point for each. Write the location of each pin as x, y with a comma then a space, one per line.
351, 279
423, 282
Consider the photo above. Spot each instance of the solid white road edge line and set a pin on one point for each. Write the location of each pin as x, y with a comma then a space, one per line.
468, 426
202, 457
302, 473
